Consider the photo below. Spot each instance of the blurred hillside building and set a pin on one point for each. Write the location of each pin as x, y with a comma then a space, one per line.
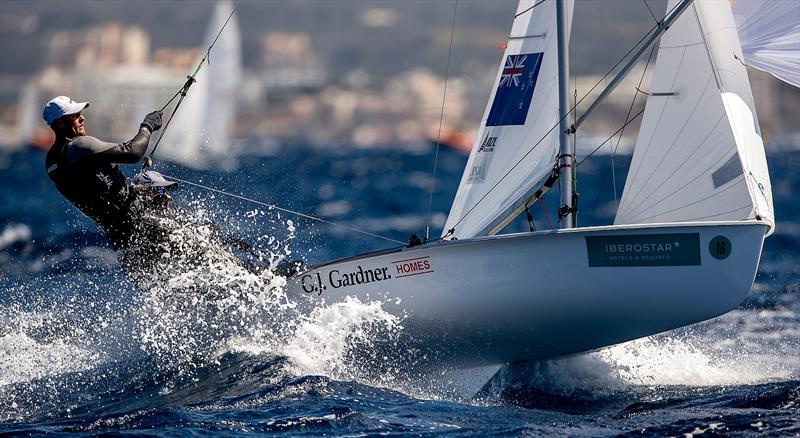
110, 66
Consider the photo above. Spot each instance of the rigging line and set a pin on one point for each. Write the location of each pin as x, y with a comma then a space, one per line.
575, 143
597, 198
634, 167
509, 171
565, 115
546, 214
651, 11
644, 37
677, 135
170, 100
285, 210
630, 110
441, 120
611, 136
185, 88
534, 5
611, 170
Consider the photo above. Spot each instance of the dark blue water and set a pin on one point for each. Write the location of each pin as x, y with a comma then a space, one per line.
83, 351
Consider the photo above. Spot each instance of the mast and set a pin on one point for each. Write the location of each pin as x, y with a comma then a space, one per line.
565, 211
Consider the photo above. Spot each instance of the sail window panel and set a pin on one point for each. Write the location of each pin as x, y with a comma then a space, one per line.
730, 170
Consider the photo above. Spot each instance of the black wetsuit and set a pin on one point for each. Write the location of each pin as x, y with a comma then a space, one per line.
84, 170
138, 226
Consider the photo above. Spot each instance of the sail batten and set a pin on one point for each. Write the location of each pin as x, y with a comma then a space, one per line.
699, 155
517, 144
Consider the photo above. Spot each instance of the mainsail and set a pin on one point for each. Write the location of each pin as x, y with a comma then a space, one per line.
517, 143
770, 35
200, 130
699, 155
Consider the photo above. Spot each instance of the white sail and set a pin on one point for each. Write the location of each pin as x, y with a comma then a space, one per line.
770, 34
517, 143
699, 155
224, 78
29, 118
200, 131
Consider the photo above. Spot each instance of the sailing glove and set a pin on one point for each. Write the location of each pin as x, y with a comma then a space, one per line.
152, 121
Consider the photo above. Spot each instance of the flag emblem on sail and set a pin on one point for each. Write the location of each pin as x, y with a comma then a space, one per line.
515, 89
515, 65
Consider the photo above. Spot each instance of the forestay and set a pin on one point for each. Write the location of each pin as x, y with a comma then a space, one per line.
201, 128
517, 143
699, 155
770, 35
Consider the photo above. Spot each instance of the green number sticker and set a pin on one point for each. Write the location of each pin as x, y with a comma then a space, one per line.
720, 247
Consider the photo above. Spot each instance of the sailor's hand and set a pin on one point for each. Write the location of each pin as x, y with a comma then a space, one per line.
152, 121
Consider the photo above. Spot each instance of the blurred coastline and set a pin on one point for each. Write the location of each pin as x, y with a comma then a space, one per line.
366, 74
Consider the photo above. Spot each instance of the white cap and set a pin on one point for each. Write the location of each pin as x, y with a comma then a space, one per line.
61, 106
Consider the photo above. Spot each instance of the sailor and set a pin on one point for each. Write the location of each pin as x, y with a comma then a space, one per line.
136, 218
85, 169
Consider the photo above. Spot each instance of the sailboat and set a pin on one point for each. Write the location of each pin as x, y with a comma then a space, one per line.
202, 137
686, 241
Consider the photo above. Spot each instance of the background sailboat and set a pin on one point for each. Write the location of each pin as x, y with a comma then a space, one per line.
199, 134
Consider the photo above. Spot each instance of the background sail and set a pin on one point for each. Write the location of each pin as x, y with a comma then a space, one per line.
199, 134
770, 34
502, 171
699, 155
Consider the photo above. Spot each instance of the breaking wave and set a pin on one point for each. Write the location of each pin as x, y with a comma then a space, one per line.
201, 296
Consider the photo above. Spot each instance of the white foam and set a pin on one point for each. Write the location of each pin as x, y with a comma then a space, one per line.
23, 359
734, 349
676, 361
321, 341
13, 233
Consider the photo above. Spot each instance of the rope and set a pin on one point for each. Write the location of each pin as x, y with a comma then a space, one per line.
441, 120
285, 210
526, 10
651, 11
612, 169
611, 136
185, 89
546, 215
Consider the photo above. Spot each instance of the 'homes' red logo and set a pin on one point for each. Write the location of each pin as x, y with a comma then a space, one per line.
409, 267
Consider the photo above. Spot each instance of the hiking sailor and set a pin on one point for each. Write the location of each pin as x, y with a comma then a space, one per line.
84, 169
136, 218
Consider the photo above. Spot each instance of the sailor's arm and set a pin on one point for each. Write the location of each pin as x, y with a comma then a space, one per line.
88, 148
129, 152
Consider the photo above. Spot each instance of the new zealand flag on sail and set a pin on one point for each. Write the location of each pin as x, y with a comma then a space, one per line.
515, 90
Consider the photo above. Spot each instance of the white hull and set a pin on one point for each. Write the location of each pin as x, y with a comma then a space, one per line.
534, 295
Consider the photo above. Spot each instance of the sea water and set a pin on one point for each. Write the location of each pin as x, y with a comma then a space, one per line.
208, 347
